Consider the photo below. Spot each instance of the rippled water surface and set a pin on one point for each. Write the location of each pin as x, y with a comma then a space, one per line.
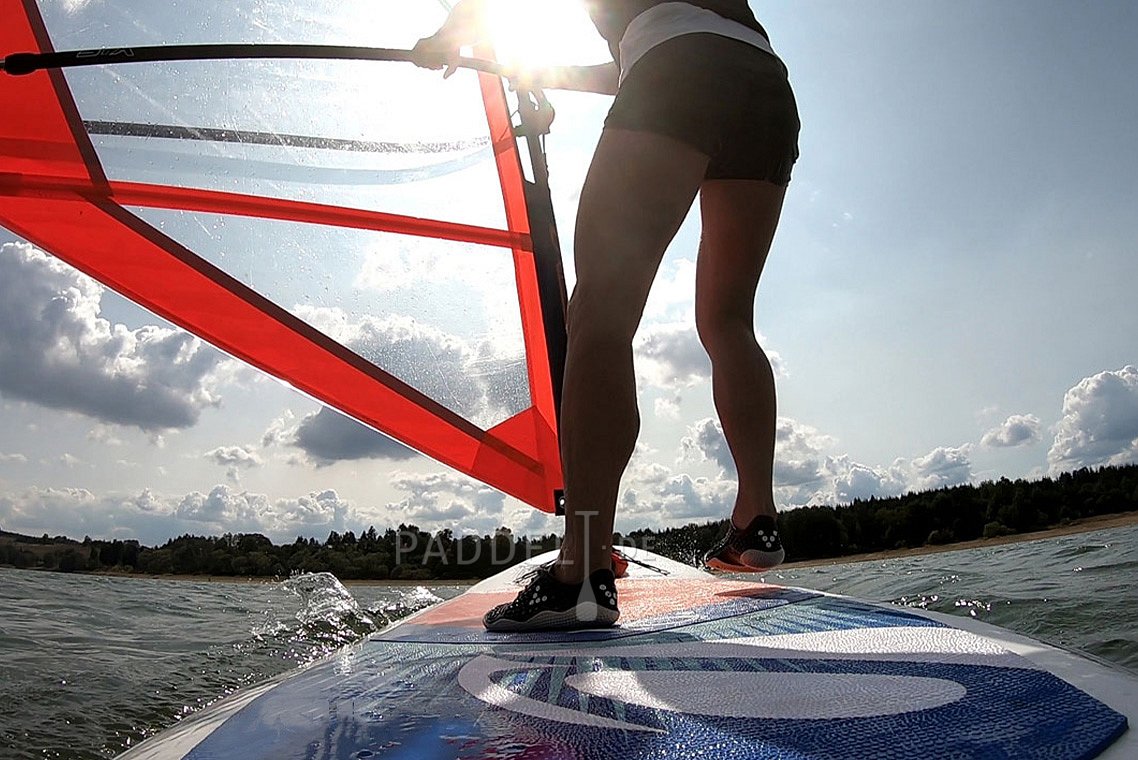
91, 665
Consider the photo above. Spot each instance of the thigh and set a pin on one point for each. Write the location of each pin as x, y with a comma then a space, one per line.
639, 188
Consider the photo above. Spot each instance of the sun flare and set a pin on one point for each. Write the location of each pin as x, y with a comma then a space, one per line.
530, 34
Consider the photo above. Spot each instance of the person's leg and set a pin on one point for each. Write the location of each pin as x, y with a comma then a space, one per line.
739, 222
639, 188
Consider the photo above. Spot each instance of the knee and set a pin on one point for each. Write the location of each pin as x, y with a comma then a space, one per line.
598, 319
723, 330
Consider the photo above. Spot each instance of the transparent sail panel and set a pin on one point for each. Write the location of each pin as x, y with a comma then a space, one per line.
367, 135
441, 316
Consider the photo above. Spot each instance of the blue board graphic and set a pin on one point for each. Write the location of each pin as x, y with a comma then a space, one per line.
777, 674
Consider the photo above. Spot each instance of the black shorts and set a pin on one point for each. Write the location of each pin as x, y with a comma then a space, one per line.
724, 97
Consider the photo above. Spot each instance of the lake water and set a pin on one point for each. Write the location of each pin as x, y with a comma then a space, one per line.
91, 665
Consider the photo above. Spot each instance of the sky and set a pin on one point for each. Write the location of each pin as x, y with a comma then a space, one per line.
949, 300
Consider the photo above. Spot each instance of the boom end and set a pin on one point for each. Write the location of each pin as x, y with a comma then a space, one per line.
18, 64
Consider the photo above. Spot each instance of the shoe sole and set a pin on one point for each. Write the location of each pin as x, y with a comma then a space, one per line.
756, 562
763, 560
584, 615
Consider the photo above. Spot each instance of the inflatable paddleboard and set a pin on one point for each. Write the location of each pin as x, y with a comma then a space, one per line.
698, 667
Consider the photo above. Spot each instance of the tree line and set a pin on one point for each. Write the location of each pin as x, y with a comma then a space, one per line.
937, 517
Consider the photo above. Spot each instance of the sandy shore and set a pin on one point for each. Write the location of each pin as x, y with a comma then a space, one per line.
1086, 525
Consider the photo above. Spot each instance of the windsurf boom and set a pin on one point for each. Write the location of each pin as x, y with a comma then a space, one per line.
365, 232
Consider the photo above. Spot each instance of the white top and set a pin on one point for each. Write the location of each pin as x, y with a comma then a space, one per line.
663, 22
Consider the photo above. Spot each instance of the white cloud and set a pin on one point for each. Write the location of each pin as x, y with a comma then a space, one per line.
482, 380
234, 459
317, 513
13, 459
222, 507
1017, 430
799, 461
154, 518
705, 442
105, 435
799, 451
850, 481
667, 498
673, 292
447, 500
1100, 422
805, 472
670, 356
234, 456
942, 467
56, 350
667, 407
843, 480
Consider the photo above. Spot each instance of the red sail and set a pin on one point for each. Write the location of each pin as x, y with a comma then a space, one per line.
125, 222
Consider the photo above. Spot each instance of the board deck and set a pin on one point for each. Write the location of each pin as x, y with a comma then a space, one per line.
698, 667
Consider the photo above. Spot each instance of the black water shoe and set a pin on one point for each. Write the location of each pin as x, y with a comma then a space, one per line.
548, 604
756, 547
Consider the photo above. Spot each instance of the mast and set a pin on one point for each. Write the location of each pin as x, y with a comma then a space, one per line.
536, 117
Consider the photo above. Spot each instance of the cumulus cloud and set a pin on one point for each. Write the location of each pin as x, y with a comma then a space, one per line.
682, 496
57, 351
234, 459
480, 379
806, 472
224, 509
673, 291
327, 437
799, 460
850, 481
654, 494
705, 442
662, 497
668, 407
671, 355
942, 467
1017, 430
447, 500
799, 451
315, 514
154, 518
1099, 424
222, 506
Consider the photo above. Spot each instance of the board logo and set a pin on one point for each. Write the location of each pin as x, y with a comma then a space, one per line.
590, 688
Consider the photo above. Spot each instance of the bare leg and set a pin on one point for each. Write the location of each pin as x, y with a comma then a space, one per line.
739, 222
639, 188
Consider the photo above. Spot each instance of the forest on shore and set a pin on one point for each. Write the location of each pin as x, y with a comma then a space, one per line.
939, 517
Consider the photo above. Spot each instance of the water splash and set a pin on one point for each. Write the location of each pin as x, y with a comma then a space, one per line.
329, 617
409, 602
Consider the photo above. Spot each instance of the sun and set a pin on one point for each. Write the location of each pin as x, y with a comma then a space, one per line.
531, 34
